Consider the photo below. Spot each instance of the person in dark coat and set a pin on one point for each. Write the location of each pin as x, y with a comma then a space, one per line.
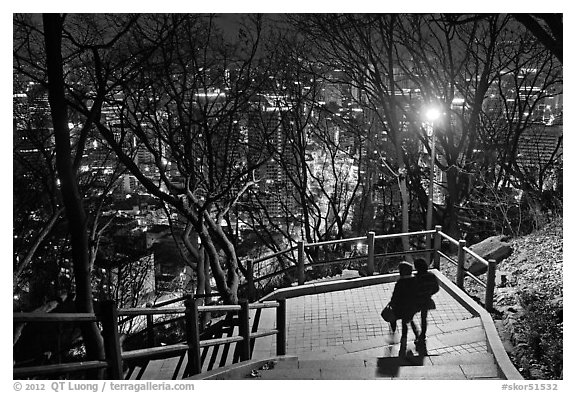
427, 285
404, 302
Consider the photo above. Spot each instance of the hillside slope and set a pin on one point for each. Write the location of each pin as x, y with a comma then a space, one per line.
529, 303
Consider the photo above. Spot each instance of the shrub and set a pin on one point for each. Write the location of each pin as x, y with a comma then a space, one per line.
542, 331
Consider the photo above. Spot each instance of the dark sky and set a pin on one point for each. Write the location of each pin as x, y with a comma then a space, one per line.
230, 23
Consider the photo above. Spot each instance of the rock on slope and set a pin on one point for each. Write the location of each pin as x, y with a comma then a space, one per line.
530, 302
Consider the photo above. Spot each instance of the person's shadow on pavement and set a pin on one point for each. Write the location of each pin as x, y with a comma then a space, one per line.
389, 366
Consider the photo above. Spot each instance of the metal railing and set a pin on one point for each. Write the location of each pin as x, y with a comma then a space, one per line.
435, 254
116, 359
300, 266
109, 334
109, 314
461, 271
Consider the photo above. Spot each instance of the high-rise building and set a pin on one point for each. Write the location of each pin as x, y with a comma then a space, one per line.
270, 140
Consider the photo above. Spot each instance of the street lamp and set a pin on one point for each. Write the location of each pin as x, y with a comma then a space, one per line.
432, 114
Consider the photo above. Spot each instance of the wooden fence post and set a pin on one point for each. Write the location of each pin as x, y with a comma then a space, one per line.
281, 327
109, 318
192, 336
461, 259
250, 279
301, 271
150, 328
437, 245
244, 329
490, 284
370, 260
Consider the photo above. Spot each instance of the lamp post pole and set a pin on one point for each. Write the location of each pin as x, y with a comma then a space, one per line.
431, 184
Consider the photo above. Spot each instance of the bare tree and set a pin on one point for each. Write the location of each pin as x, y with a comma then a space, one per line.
71, 197
184, 104
365, 48
308, 187
43, 55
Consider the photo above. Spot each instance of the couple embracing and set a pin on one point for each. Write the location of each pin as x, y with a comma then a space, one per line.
413, 294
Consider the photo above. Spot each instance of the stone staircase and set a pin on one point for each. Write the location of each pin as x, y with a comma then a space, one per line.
449, 367
351, 342
477, 366
455, 351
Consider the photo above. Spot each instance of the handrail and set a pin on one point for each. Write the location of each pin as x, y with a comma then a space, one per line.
255, 306
106, 316
395, 235
53, 317
449, 259
182, 310
164, 303
264, 333
476, 256
109, 315
301, 264
141, 311
219, 341
463, 272
243, 338
445, 236
473, 277
328, 242
221, 307
154, 353
371, 256
115, 357
24, 372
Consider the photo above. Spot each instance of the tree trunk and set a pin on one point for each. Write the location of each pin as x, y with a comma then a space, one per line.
77, 221
405, 207
451, 212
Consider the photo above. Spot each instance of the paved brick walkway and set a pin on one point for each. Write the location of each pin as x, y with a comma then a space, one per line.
345, 325
335, 324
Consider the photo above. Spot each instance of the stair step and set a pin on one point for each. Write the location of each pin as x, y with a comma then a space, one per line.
242, 370
439, 372
469, 358
448, 371
480, 371
446, 367
283, 374
286, 364
336, 363
158, 369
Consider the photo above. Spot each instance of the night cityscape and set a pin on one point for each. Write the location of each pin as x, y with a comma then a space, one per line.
182, 180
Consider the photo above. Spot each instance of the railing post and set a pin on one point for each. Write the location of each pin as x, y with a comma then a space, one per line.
150, 328
113, 351
192, 336
437, 245
490, 284
250, 279
301, 271
281, 327
370, 260
244, 329
461, 259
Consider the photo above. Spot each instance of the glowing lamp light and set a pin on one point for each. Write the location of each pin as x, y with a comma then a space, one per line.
432, 114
